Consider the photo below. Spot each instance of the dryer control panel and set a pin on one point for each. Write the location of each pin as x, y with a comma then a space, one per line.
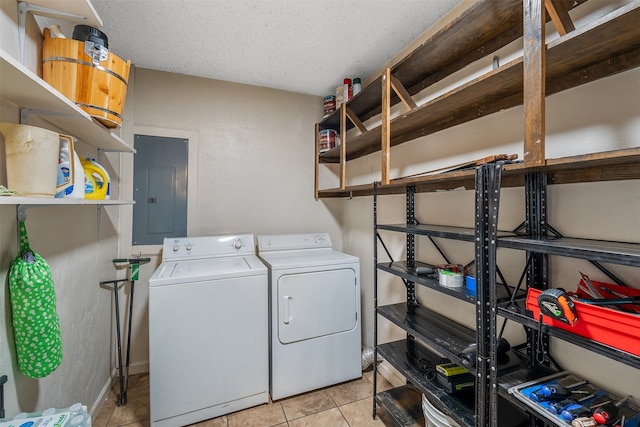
181, 248
286, 242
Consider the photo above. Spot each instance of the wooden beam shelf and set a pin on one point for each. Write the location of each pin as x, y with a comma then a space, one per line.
601, 48
603, 166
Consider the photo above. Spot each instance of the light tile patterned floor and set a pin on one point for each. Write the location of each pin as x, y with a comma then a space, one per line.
344, 405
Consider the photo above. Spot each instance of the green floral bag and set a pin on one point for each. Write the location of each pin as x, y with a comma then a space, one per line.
36, 326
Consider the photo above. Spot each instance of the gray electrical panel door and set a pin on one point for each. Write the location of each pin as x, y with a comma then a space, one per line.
159, 189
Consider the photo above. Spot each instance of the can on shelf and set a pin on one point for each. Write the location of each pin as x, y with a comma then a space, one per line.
327, 140
329, 105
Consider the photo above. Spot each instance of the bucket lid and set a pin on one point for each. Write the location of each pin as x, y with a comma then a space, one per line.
85, 33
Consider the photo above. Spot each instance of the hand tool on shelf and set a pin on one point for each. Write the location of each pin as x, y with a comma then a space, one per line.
465, 165
557, 304
603, 295
591, 290
134, 273
584, 422
551, 392
573, 411
469, 355
612, 414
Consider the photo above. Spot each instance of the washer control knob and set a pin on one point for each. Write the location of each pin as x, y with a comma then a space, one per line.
238, 244
188, 247
319, 239
175, 248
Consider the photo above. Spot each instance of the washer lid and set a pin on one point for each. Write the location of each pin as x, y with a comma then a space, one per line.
303, 258
172, 272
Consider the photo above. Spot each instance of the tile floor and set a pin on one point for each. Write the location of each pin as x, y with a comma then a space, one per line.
343, 405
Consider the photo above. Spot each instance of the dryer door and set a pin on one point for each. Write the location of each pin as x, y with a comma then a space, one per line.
315, 304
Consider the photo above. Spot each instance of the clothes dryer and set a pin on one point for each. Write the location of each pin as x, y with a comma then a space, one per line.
208, 334
314, 307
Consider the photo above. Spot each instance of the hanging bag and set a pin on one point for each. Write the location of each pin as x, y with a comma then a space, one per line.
36, 326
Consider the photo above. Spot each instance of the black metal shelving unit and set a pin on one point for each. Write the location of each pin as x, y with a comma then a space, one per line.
540, 242
539, 245
431, 335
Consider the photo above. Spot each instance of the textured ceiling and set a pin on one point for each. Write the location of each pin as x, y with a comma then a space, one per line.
305, 46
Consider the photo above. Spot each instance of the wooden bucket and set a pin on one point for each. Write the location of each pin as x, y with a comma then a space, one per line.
99, 89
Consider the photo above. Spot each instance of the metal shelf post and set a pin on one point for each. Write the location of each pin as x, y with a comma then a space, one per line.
488, 182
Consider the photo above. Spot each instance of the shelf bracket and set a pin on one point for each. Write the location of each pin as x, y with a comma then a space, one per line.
24, 8
22, 211
24, 116
559, 15
22, 216
351, 115
26, 112
402, 93
98, 220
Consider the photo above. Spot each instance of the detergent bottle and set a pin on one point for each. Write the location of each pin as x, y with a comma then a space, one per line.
75, 416
70, 171
97, 181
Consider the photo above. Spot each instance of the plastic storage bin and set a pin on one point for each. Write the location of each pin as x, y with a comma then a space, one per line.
614, 328
433, 417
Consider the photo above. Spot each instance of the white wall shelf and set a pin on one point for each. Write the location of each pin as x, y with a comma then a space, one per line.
22, 87
78, 11
51, 201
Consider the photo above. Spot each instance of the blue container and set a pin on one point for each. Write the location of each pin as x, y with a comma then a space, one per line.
470, 283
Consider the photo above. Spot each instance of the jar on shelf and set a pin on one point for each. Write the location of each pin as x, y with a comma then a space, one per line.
329, 105
339, 96
357, 86
347, 90
327, 140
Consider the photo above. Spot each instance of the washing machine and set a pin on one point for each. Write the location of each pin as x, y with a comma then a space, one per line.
314, 312
208, 333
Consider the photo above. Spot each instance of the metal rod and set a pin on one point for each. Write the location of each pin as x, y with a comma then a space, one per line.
376, 237
596, 264
503, 281
383, 245
522, 277
119, 347
3, 381
129, 337
446, 259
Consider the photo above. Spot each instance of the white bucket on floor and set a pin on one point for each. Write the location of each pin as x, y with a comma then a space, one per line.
433, 417
32, 159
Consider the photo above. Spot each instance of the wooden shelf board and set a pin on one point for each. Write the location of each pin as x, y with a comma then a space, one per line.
51, 201
27, 90
613, 165
605, 47
487, 94
483, 28
617, 32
